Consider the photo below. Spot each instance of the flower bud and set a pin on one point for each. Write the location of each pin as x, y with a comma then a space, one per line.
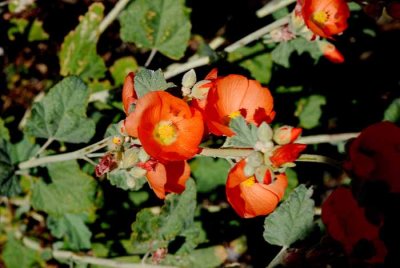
286, 134
189, 79
130, 158
143, 156
200, 89
138, 172
264, 132
255, 159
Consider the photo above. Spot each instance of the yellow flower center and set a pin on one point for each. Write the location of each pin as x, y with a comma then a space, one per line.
320, 17
234, 114
165, 132
249, 182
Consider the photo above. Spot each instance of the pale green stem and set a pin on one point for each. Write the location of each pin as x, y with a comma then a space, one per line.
273, 6
71, 256
151, 57
314, 158
278, 258
44, 147
226, 153
79, 154
112, 15
332, 138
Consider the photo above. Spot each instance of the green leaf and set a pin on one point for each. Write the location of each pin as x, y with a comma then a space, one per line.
254, 59
23, 150
281, 54
148, 80
123, 179
9, 185
290, 89
18, 26
36, 33
292, 182
392, 113
61, 114
152, 231
245, 134
16, 255
72, 228
163, 25
309, 110
209, 173
210, 257
292, 220
78, 54
121, 68
70, 190
138, 197
4, 133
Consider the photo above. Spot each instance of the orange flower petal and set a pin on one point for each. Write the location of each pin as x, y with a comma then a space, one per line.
286, 153
169, 177
128, 92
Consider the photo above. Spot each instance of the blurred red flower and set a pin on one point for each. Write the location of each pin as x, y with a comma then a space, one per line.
250, 198
235, 95
325, 17
168, 129
345, 222
375, 155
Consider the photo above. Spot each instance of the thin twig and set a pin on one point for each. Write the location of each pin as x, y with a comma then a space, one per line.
257, 34
150, 58
332, 138
112, 15
64, 157
320, 159
44, 147
273, 6
87, 159
68, 255
278, 258
187, 66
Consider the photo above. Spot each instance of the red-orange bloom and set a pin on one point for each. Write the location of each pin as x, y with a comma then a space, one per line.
168, 177
128, 92
235, 95
167, 127
325, 17
331, 52
248, 197
346, 223
286, 153
375, 155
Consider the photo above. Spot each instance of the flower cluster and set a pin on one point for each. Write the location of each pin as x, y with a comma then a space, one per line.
162, 132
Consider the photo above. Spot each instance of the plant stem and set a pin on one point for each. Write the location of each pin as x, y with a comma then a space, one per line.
273, 6
44, 147
257, 34
112, 15
226, 153
150, 58
314, 158
327, 138
187, 66
64, 157
278, 258
68, 255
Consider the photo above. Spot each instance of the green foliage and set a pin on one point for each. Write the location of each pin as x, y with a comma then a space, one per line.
281, 54
61, 114
200, 258
16, 255
72, 228
245, 134
121, 68
148, 80
292, 182
9, 185
163, 25
309, 110
138, 197
392, 113
152, 231
78, 54
123, 179
4, 133
23, 150
19, 25
209, 173
254, 59
36, 33
70, 190
292, 220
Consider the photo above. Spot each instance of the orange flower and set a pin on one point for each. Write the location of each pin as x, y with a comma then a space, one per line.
286, 134
235, 95
346, 222
168, 129
325, 17
168, 177
128, 92
286, 153
250, 198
